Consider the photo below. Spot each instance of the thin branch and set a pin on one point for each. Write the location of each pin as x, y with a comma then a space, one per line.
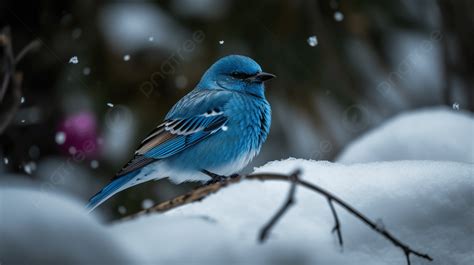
366, 220
407, 255
337, 225
201, 192
265, 231
11, 108
5, 83
195, 195
8, 62
30, 47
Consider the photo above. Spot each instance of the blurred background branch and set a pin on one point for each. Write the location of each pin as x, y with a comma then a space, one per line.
11, 78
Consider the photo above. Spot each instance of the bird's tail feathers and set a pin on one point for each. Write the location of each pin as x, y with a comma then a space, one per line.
111, 189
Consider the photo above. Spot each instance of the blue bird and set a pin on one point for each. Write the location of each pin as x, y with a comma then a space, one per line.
211, 133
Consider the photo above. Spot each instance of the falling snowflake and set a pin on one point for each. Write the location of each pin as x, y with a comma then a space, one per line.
74, 60
110, 105
147, 203
126, 57
5, 160
72, 150
221, 42
22, 100
122, 209
181, 81
29, 167
338, 16
60, 138
312, 41
86, 71
94, 164
455, 106
151, 38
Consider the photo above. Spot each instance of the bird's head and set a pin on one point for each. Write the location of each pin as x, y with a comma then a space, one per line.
238, 73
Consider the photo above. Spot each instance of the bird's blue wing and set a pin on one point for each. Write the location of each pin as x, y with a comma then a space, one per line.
179, 134
199, 101
180, 130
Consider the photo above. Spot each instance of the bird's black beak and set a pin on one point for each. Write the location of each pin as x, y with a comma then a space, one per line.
261, 77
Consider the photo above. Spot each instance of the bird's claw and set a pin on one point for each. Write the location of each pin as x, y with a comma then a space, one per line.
217, 178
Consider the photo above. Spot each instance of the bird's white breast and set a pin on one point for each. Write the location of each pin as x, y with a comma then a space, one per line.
237, 164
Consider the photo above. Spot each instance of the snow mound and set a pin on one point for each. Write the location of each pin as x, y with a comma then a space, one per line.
429, 134
426, 204
37, 227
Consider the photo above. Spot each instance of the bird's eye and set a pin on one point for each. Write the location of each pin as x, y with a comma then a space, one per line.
239, 75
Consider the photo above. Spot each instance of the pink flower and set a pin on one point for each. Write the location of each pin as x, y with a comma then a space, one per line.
77, 135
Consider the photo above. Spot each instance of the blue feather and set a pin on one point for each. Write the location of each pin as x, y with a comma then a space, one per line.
109, 190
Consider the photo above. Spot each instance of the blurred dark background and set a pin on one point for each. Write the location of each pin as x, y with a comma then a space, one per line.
106, 73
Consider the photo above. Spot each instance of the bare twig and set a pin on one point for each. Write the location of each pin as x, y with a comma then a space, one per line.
406, 249
264, 232
337, 225
201, 192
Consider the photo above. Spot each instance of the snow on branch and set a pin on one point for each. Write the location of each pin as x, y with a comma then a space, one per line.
202, 192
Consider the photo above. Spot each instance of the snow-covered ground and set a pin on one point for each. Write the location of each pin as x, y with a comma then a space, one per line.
428, 134
41, 227
425, 203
